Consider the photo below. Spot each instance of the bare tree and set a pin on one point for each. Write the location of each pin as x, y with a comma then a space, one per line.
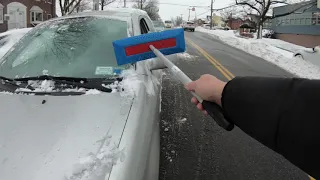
178, 21
229, 12
104, 3
262, 7
150, 6
84, 5
69, 6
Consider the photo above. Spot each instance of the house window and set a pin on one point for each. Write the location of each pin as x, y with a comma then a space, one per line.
291, 21
297, 22
308, 21
316, 18
302, 21
36, 17
1, 13
36, 14
49, 16
49, 1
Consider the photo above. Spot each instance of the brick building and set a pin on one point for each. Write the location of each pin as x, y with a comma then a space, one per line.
234, 23
25, 13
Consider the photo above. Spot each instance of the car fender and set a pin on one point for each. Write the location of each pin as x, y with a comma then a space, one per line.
142, 121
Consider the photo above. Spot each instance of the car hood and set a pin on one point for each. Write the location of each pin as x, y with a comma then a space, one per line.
53, 137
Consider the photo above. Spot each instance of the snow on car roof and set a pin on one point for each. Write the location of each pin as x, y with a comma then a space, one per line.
115, 13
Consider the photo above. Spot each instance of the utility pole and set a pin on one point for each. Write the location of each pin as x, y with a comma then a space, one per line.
189, 14
124, 3
211, 14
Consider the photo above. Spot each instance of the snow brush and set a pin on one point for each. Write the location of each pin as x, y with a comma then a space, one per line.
142, 47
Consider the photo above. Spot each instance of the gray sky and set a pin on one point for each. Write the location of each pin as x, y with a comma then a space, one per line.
167, 10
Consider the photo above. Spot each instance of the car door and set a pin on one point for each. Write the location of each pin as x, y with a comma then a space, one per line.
153, 81
141, 137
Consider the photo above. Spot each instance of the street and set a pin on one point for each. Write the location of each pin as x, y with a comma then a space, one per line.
192, 145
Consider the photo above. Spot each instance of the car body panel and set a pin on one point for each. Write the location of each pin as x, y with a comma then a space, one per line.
47, 135
143, 123
131, 128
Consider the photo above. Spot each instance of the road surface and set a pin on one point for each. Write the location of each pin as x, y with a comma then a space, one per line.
192, 145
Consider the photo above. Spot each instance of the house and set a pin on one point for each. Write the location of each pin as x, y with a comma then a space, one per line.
234, 23
25, 13
301, 27
266, 24
217, 21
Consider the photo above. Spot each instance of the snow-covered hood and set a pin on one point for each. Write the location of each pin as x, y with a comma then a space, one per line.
60, 137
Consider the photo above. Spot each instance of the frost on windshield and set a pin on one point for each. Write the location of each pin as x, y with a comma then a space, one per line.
72, 47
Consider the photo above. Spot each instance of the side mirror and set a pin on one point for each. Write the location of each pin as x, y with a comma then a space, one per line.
156, 63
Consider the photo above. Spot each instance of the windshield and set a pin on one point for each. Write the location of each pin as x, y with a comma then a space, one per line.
167, 22
190, 23
158, 24
74, 47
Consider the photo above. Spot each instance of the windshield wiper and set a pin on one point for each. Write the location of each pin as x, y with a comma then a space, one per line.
74, 81
13, 82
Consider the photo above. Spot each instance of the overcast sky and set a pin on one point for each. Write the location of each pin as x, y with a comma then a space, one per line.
168, 10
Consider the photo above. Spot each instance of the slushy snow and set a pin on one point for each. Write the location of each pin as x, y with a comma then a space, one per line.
268, 49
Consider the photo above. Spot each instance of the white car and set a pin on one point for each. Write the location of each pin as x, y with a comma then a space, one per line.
189, 26
312, 55
168, 24
69, 112
9, 38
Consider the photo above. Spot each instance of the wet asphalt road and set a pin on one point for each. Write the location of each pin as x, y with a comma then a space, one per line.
193, 147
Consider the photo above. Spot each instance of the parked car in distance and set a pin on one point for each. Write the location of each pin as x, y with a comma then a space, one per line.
206, 26
311, 55
67, 111
168, 24
9, 38
158, 25
189, 26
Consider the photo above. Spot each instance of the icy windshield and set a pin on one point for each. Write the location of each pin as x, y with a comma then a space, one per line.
74, 47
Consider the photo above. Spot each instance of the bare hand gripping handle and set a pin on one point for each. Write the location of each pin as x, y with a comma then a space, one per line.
213, 109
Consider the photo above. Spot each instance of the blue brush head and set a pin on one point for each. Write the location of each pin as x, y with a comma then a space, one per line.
120, 46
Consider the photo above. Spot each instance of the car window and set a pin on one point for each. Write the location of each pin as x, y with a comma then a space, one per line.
143, 26
77, 47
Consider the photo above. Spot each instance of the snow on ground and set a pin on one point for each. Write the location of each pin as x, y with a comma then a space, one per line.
269, 50
13, 36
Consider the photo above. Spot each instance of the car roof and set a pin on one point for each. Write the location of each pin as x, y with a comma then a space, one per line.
116, 13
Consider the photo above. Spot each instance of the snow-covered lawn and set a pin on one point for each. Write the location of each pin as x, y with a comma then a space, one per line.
11, 38
275, 51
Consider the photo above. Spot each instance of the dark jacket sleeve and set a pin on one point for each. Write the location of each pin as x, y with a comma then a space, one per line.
281, 113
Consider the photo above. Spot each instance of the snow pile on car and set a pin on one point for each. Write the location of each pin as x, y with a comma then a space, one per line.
268, 51
96, 165
12, 37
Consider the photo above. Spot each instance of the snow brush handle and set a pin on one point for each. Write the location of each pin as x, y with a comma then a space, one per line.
213, 109
216, 112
